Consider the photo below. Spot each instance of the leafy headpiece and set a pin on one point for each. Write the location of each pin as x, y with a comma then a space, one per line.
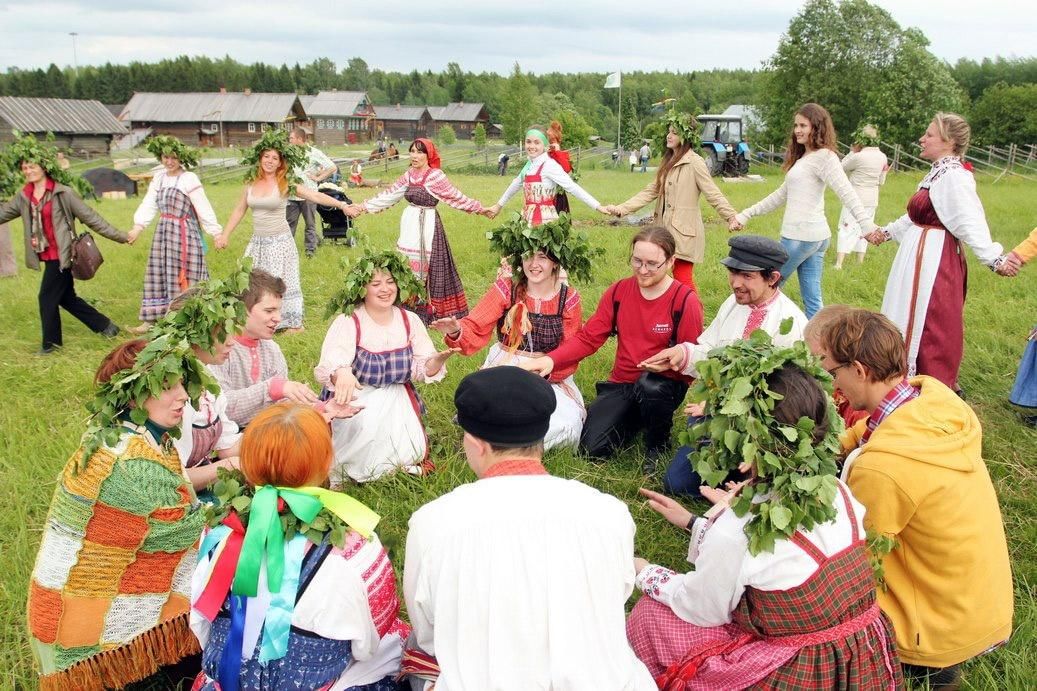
359, 273
866, 135
294, 156
26, 147
165, 145
207, 316
684, 124
517, 239
796, 484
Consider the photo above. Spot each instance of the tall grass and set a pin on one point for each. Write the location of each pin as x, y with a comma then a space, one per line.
43, 413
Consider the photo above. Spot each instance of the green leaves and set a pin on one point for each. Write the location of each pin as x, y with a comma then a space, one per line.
795, 485
206, 318
359, 273
166, 145
27, 148
234, 493
517, 239
293, 156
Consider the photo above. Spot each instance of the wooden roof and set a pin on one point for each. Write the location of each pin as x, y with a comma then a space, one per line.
58, 115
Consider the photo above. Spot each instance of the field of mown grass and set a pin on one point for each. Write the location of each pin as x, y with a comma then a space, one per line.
43, 411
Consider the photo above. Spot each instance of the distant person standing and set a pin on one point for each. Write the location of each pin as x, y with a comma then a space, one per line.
317, 169
633, 161
646, 153
866, 168
502, 164
8, 265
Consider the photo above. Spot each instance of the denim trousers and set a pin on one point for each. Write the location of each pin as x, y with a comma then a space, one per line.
808, 260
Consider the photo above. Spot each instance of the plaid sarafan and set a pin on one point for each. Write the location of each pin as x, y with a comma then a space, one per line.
446, 296
824, 634
386, 367
176, 260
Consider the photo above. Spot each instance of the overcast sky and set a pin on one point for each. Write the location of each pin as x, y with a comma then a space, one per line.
564, 35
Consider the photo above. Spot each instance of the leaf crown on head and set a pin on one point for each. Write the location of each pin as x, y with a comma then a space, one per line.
26, 147
166, 145
516, 240
796, 484
684, 124
214, 311
277, 140
360, 271
866, 135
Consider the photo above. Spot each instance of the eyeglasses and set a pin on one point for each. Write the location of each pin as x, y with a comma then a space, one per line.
836, 369
638, 264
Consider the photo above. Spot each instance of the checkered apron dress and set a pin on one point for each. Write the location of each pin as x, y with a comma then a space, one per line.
547, 330
177, 257
387, 367
446, 296
827, 633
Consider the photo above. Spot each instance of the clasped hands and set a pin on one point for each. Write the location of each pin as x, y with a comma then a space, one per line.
1010, 266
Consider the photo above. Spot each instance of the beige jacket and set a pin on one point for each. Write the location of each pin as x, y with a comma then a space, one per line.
677, 206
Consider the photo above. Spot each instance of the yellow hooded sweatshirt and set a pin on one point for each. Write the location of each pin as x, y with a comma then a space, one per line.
922, 478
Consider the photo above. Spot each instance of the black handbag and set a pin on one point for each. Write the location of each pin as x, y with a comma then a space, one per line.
86, 258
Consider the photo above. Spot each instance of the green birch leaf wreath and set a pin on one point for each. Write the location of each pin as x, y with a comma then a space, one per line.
277, 140
358, 272
517, 239
796, 484
166, 145
26, 147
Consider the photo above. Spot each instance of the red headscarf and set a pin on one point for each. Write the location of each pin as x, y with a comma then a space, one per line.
430, 149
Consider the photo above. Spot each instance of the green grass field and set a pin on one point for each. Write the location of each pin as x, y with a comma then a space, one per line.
44, 413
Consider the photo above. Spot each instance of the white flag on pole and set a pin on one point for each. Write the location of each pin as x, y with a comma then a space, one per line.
612, 81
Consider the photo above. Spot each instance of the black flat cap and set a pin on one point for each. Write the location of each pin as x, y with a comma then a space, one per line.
754, 253
507, 406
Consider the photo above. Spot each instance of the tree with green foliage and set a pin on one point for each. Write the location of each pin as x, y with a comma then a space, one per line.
896, 104
446, 135
1006, 115
575, 129
630, 131
977, 77
479, 136
518, 106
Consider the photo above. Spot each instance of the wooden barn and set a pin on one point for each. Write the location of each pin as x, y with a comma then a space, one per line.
463, 117
212, 119
402, 122
341, 117
83, 127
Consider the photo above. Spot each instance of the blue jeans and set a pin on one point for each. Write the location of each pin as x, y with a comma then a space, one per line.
680, 477
808, 259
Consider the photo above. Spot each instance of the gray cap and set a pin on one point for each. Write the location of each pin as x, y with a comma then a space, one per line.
754, 253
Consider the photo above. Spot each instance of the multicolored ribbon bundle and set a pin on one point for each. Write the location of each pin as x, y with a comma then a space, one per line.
239, 554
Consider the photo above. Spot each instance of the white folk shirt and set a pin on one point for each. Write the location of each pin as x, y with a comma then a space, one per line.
552, 175
803, 194
724, 568
519, 583
316, 161
732, 323
188, 183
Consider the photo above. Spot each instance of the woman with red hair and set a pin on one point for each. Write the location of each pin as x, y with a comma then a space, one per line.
313, 609
422, 237
273, 164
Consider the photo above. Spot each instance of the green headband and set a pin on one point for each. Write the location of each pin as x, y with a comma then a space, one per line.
538, 134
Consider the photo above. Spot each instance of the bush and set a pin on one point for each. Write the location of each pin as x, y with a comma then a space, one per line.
479, 136
446, 135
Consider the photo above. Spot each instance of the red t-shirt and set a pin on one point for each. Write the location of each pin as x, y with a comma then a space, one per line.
644, 327
51, 253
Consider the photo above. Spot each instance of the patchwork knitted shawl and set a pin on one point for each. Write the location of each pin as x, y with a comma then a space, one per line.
110, 593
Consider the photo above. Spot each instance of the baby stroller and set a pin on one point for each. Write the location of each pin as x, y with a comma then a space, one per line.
335, 225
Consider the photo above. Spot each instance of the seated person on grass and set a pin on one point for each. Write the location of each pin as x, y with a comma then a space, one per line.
756, 302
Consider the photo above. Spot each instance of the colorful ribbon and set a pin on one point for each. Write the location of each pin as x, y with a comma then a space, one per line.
238, 555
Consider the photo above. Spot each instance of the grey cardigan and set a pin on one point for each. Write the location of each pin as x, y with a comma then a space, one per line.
66, 207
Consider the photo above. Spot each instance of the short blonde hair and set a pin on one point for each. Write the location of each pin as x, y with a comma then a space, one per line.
953, 128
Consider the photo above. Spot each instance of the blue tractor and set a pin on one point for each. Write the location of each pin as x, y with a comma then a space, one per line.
723, 145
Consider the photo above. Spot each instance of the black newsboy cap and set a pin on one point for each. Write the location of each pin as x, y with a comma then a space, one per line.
506, 406
754, 253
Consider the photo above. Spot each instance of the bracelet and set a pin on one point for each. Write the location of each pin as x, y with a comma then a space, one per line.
691, 523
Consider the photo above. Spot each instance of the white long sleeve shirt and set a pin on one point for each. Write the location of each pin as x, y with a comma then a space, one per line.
188, 183
519, 583
803, 194
551, 174
733, 320
724, 568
